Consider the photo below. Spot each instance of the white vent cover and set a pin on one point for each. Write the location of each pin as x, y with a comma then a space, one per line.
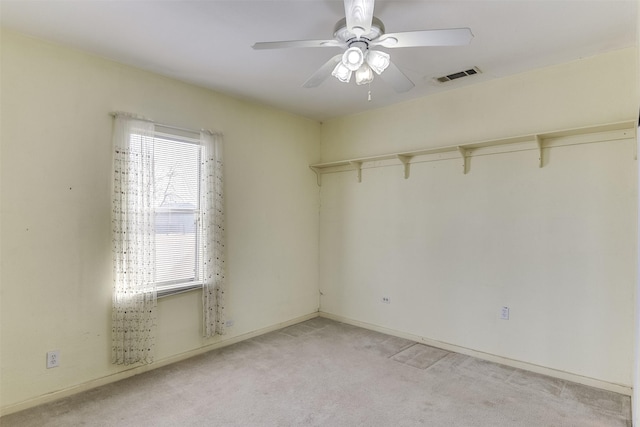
458, 75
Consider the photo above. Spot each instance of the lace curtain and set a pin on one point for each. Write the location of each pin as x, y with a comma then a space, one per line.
212, 229
134, 291
133, 234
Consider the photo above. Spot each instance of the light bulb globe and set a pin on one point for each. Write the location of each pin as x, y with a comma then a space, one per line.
378, 61
342, 73
353, 58
364, 75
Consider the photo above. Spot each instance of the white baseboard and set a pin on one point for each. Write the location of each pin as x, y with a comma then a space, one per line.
69, 391
568, 376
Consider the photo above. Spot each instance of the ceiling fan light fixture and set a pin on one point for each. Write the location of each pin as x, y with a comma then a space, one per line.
364, 75
357, 33
353, 58
378, 61
342, 73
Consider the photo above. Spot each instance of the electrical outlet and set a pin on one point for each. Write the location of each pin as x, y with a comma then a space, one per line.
386, 300
53, 358
504, 313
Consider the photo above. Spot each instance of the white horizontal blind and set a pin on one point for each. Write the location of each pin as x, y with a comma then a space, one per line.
176, 203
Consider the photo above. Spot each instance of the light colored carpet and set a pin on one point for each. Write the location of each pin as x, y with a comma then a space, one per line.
325, 373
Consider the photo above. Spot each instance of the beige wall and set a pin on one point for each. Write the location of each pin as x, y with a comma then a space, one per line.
556, 244
56, 244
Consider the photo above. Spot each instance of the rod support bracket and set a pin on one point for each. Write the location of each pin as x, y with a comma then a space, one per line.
540, 143
358, 166
405, 160
465, 159
318, 173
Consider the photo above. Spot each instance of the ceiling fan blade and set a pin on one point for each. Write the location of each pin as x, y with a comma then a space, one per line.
359, 14
449, 37
396, 78
298, 43
323, 72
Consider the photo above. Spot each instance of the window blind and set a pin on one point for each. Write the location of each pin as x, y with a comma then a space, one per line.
176, 203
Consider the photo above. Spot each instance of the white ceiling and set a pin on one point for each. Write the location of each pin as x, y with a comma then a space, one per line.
209, 42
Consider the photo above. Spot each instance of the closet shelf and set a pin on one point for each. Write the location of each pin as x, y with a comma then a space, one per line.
539, 142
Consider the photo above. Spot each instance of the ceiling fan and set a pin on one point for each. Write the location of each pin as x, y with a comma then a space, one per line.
358, 32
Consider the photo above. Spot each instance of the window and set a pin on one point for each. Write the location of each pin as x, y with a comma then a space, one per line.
177, 207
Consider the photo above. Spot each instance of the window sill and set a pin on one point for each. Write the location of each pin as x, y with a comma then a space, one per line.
178, 289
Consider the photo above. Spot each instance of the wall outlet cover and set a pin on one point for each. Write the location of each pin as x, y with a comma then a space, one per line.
53, 358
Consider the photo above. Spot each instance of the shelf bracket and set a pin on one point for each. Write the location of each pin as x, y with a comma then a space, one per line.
465, 159
405, 161
540, 143
358, 166
318, 175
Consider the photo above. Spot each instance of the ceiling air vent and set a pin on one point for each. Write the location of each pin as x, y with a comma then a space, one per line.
458, 75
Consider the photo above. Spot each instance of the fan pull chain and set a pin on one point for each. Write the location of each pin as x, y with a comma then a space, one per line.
369, 94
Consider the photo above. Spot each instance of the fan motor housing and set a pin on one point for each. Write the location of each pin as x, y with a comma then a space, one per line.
343, 34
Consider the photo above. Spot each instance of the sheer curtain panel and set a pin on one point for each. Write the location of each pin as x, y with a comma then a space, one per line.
134, 289
212, 231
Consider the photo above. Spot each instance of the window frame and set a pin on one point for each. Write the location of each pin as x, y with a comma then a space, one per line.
177, 286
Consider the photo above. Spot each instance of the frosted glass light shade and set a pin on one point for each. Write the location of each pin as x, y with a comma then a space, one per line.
364, 75
378, 61
342, 73
353, 58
